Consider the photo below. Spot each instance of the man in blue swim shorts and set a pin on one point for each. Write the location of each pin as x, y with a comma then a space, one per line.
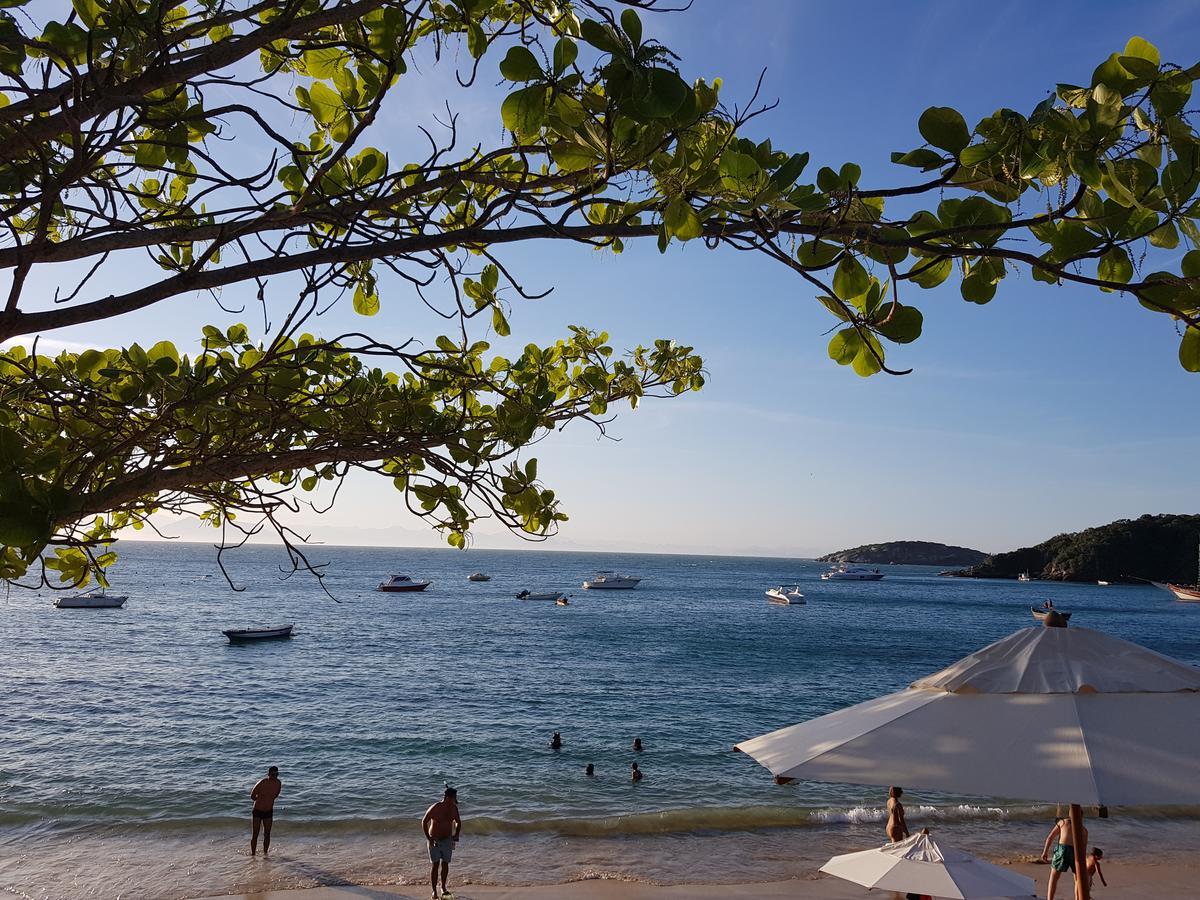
1063, 859
441, 827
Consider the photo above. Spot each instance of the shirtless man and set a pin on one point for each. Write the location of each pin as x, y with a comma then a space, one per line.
441, 826
1064, 853
264, 795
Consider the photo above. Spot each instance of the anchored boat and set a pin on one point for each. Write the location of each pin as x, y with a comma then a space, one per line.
786, 596
245, 635
96, 599
611, 581
402, 584
552, 596
851, 573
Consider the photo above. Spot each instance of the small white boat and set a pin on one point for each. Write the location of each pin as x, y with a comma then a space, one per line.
611, 581
96, 599
851, 573
401, 584
1024, 576
552, 596
245, 635
479, 576
786, 596
1104, 583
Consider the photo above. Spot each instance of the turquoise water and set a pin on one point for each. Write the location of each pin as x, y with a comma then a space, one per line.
132, 737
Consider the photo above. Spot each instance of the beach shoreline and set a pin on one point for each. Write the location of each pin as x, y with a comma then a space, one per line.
1131, 881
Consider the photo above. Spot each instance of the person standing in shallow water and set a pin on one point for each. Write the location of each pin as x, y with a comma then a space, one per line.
897, 827
263, 795
441, 827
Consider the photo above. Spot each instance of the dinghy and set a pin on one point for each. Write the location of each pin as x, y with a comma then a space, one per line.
245, 635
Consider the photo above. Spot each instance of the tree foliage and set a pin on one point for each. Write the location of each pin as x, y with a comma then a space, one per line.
238, 145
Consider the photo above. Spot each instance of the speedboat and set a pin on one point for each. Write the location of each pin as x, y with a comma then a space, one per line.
1104, 583
245, 635
401, 583
552, 596
611, 581
851, 573
786, 596
1040, 612
479, 576
96, 599
1024, 576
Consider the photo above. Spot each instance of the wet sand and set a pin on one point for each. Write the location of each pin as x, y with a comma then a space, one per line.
1125, 882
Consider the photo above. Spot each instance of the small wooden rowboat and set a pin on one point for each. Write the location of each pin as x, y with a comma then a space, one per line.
1040, 613
245, 635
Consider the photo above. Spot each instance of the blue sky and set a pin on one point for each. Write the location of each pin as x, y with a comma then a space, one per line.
1049, 409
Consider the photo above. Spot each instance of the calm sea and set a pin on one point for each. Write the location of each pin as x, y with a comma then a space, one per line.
130, 739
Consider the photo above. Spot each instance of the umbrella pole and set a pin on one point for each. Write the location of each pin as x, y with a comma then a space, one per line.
1077, 838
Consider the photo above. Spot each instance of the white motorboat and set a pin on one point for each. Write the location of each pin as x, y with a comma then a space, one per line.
97, 599
611, 581
852, 573
245, 635
479, 576
1024, 576
786, 596
401, 584
552, 596
1104, 583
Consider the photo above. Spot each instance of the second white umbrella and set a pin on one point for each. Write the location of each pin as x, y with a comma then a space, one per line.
919, 865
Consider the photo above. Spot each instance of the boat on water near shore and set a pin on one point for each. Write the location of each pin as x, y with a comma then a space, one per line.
611, 581
402, 584
1040, 612
851, 573
1024, 576
1188, 593
245, 635
479, 576
97, 599
552, 596
786, 596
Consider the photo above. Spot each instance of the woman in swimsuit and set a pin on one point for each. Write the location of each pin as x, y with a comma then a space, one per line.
897, 828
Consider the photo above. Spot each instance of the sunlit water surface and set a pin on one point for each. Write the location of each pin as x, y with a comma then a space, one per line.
129, 739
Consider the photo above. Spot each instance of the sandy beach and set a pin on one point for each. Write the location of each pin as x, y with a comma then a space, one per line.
1125, 882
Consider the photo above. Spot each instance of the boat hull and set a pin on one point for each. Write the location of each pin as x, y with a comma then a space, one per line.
1186, 594
552, 597
90, 602
249, 635
840, 576
1040, 614
403, 588
479, 577
612, 585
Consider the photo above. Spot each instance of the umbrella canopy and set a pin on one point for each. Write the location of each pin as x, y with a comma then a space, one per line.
1061, 715
919, 865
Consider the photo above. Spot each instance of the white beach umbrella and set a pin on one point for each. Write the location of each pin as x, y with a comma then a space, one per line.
921, 866
1064, 715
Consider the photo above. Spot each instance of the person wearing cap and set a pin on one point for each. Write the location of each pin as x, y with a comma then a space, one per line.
441, 827
264, 795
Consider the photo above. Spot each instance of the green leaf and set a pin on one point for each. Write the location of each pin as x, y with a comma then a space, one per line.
565, 51
88, 363
1190, 265
978, 287
519, 64
599, 36
930, 276
632, 26
1189, 349
326, 103
845, 346
944, 128
524, 111
681, 220
1115, 266
739, 171
922, 158
365, 303
1165, 236
1140, 48
850, 279
816, 254
902, 324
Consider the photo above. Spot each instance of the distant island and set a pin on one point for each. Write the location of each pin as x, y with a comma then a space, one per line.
1151, 548
908, 553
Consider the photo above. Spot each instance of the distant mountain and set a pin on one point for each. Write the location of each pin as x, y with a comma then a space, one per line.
1156, 548
908, 553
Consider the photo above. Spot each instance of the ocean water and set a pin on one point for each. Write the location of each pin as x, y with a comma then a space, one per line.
130, 739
